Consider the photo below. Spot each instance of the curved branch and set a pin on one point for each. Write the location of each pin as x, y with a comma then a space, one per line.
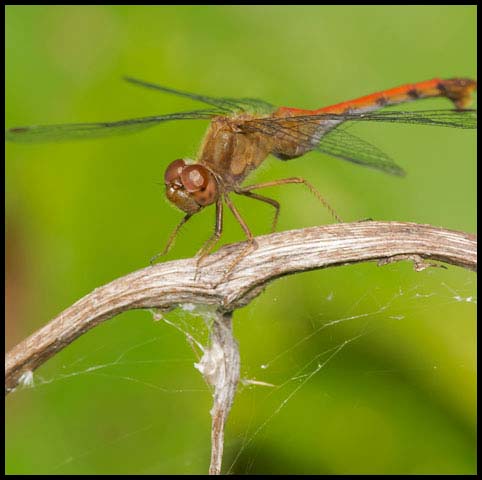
172, 283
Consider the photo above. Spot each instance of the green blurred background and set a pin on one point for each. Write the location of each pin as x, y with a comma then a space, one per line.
125, 399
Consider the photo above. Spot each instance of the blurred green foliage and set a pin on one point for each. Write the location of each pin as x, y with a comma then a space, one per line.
125, 398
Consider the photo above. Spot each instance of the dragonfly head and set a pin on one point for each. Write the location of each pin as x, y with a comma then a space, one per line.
190, 187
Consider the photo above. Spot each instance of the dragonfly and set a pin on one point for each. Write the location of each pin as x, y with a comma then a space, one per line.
243, 132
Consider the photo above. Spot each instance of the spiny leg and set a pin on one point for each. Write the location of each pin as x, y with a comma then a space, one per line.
211, 242
171, 239
310, 187
262, 198
252, 245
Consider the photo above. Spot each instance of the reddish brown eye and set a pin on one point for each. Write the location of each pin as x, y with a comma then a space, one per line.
173, 171
207, 195
194, 178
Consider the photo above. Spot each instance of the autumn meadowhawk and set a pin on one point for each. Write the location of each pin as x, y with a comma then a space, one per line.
244, 131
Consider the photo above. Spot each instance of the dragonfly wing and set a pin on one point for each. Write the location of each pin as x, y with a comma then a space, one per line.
298, 135
466, 119
226, 104
342, 144
79, 131
439, 118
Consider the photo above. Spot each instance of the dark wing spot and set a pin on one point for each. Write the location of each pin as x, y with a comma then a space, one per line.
381, 101
413, 93
442, 88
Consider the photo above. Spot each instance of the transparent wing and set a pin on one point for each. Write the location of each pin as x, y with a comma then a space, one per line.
439, 118
302, 133
226, 104
80, 131
466, 119
338, 143
331, 139
341, 144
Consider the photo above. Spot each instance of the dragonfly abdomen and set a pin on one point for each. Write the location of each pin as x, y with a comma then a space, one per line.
458, 90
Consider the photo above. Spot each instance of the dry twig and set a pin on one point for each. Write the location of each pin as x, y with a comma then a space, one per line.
169, 284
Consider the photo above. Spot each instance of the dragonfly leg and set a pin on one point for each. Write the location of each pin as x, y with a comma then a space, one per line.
262, 198
307, 184
211, 242
171, 239
251, 245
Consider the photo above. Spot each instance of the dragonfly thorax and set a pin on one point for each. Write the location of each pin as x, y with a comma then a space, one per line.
190, 186
231, 151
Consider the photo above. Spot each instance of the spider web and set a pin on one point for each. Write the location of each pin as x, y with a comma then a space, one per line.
272, 379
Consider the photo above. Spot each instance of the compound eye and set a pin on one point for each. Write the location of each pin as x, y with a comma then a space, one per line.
173, 171
195, 178
207, 195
